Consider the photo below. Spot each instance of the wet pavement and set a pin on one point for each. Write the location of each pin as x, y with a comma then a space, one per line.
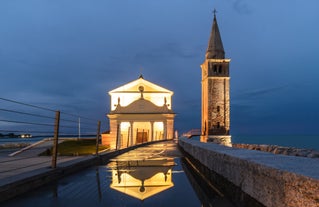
155, 175
18, 164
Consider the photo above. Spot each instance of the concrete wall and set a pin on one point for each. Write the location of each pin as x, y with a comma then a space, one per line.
273, 180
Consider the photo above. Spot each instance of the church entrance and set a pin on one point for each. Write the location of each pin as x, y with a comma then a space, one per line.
142, 132
141, 137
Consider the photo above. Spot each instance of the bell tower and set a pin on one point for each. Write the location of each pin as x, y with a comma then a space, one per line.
215, 91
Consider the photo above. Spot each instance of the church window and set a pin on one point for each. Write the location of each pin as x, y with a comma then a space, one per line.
215, 68
218, 125
218, 109
219, 69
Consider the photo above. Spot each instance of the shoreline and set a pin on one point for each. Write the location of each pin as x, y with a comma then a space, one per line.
14, 145
271, 148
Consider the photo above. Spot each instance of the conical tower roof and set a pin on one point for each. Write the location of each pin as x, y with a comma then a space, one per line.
215, 48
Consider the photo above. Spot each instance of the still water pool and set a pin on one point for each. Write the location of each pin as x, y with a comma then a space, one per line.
155, 175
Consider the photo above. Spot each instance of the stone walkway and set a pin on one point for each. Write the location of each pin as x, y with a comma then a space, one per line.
15, 166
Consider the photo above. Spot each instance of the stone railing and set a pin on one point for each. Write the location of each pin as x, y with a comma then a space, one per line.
271, 179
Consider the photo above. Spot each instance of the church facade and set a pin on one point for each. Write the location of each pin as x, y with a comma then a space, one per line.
215, 91
141, 111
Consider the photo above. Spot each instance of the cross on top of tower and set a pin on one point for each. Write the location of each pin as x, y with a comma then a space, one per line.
215, 11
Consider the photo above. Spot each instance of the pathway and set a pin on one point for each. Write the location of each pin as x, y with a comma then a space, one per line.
27, 162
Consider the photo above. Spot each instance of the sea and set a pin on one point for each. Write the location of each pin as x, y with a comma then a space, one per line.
297, 141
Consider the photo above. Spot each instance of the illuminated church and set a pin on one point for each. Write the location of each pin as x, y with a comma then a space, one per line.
141, 111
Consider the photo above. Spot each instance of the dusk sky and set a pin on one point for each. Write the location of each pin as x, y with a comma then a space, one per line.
67, 55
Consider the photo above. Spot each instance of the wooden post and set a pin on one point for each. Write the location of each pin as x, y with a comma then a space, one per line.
143, 136
97, 138
132, 134
136, 136
55, 139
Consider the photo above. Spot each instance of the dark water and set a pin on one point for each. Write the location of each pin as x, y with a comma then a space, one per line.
298, 141
149, 176
5, 140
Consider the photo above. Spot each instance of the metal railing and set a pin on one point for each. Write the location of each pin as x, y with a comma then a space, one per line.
19, 119
191, 133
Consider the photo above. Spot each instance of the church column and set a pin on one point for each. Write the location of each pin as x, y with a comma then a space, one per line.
113, 133
170, 129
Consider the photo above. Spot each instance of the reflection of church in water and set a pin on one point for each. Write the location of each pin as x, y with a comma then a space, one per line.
142, 179
141, 111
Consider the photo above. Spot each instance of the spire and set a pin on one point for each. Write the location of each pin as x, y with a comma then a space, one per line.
215, 49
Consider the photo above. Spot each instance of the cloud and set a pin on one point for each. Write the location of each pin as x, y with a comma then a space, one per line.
242, 7
167, 50
257, 93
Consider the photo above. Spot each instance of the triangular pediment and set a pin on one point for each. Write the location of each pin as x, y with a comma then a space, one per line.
149, 191
133, 86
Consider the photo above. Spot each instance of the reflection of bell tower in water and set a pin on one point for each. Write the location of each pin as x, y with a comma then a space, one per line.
215, 91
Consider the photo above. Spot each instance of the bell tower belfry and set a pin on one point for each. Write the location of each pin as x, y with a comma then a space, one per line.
215, 91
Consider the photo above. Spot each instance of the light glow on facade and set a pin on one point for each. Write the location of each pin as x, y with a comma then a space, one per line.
128, 93
140, 112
